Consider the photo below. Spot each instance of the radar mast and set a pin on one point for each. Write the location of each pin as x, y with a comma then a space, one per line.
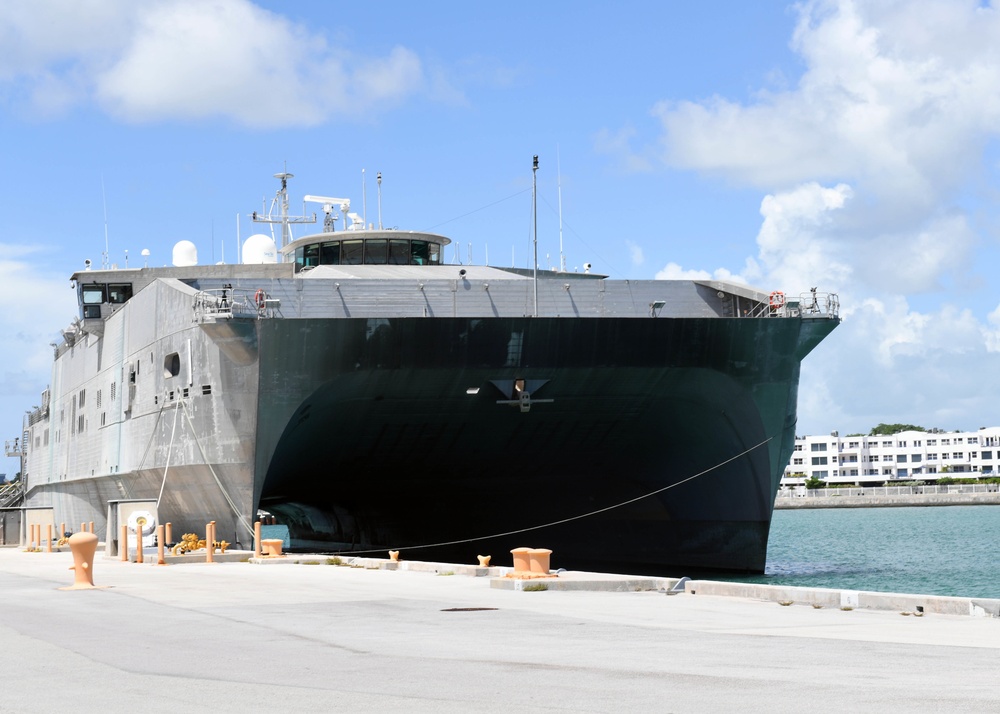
281, 200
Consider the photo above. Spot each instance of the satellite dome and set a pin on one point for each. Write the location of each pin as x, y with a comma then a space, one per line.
185, 254
259, 248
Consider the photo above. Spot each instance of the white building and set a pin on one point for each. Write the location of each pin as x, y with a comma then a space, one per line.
906, 456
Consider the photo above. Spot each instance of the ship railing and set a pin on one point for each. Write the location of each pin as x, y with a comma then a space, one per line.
36, 415
14, 448
810, 304
815, 304
226, 303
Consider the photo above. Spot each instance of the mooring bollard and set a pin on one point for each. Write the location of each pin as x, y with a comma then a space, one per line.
83, 527
521, 564
83, 545
484, 561
256, 539
394, 556
160, 560
538, 560
91, 529
62, 531
169, 533
123, 544
271, 547
48, 545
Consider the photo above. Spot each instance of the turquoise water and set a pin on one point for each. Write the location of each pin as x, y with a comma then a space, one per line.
948, 550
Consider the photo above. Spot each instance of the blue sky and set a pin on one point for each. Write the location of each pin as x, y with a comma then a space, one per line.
848, 145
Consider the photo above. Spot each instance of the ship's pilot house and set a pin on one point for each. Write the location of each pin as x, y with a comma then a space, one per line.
378, 249
93, 295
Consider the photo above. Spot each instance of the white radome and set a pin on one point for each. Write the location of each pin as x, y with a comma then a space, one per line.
259, 248
185, 254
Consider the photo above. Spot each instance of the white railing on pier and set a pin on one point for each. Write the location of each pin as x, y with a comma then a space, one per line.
802, 492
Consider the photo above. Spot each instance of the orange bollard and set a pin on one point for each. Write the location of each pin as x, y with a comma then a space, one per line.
83, 545
83, 527
160, 560
256, 539
209, 543
123, 544
169, 533
91, 529
539, 560
62, 530
521, 564
48, 546
140, 523
271, 547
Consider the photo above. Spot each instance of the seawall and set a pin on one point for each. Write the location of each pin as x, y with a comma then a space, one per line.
887, 501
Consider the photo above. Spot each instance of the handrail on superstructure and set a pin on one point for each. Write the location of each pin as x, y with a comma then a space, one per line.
810, 304
14, 448
227, 303
816, 304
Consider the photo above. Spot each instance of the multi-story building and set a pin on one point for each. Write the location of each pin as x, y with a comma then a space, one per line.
906, 456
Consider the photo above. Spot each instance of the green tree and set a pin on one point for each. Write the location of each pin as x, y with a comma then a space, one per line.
813, 482
890, 429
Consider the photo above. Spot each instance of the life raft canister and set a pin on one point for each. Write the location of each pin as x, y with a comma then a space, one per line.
776, 299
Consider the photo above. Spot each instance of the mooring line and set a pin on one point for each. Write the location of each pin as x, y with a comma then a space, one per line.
565, 520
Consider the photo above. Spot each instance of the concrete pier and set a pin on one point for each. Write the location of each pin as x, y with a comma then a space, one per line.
243, 637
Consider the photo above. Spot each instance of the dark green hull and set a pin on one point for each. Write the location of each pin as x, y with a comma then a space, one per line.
372, 435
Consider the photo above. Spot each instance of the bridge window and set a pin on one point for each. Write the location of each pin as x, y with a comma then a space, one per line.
376, 252
420, 252
399, 252
119, 293
352, 252
329, 253
93, 294
310, 257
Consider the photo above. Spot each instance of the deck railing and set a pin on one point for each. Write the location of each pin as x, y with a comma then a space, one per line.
227, 303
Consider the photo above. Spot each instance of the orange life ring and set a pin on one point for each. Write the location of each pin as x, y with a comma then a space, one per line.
259, 297
777, 299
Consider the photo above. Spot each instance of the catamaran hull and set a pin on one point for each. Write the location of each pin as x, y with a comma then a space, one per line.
642, 444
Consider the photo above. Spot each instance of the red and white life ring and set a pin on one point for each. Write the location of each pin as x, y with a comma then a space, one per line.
259, 298
777, 299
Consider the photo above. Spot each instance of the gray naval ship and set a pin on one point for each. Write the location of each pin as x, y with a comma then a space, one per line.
370, 396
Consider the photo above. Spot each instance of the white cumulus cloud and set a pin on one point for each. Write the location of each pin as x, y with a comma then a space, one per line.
874, 184
191, 60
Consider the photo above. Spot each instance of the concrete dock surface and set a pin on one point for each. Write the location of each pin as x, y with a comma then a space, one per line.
239, 637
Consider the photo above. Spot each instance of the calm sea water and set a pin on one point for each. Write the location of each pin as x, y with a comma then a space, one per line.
948, 550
